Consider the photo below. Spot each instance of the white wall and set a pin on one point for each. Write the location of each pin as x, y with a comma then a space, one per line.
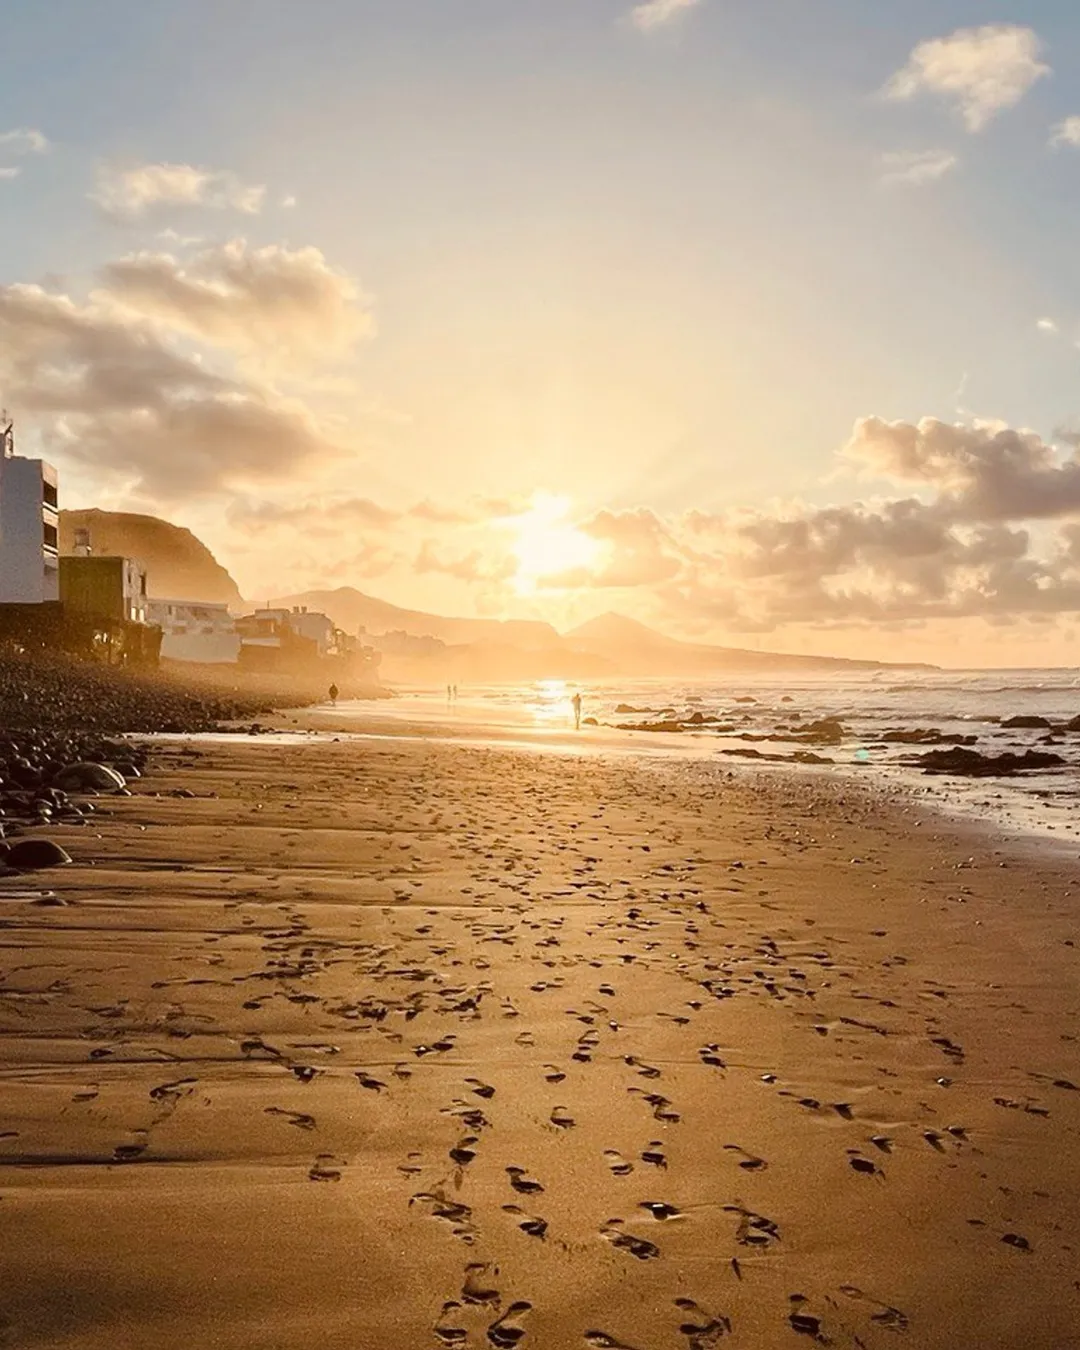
28, 566
195, 632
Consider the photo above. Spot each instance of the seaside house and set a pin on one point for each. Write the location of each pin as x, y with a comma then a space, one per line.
29, 526
107, 596
195, 631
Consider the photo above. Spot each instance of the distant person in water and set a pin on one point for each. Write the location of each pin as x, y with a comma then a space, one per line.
334, 691
576, 704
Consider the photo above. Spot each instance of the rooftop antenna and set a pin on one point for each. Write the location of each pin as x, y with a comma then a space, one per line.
7, 435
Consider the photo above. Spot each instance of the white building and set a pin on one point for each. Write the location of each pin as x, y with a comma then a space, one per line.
194, 631
29, 526
315, 627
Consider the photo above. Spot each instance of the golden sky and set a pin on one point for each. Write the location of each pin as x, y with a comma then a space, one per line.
756, 326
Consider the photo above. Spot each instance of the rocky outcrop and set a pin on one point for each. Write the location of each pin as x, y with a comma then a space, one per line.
971, 764
178, 565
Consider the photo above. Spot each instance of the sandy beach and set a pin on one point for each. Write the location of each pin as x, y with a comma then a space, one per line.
393, 1045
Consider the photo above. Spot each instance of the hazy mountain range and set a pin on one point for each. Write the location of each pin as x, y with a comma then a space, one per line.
422, 646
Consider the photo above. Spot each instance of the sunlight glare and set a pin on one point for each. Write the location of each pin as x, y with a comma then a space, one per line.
547, 544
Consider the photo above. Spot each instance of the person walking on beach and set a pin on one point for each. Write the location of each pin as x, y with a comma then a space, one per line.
576, 704
333, 695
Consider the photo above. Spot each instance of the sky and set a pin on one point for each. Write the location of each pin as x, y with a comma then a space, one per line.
759, 323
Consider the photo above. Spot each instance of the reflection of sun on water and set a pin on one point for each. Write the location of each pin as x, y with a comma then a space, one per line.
551, 702
547, 545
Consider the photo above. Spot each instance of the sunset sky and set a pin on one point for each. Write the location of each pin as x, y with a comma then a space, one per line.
760, 322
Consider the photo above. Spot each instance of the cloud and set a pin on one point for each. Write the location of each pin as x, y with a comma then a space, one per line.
273, 299
474, 566
9, 171
351, 515
984, 471
1066, 132
312, 515
638, 550
1046, 326
109, 391
657, 13
980, 520
982, 71
24, 141
129, 194
916, 167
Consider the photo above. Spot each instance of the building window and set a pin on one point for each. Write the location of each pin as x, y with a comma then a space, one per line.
48, 493
50, 536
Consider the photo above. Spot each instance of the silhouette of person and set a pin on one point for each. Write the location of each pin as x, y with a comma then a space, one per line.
333, 694
576, 703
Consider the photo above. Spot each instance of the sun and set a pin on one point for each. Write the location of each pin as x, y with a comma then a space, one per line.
547, 545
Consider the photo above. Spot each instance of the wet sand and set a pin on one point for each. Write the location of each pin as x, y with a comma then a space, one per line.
386, 1045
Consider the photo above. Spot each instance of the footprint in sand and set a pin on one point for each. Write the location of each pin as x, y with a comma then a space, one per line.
366, 1081
323, 1169
638, 1247
618, 1164
449, 1335
297, 1118
471, 1116
701, 1329
453, 1212
463, 1152
553, 1074
478, 1288
531, 1224
523, 1183
654, 1155
662, 1108
481, 1089
754, 1230
171, 1093
660, 1209
600, 1340
561, 1118
128, 1152
644, 1070
749, 1162
505, 1332
886, 1316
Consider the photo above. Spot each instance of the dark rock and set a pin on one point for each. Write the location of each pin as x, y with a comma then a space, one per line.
1026, 723
88, 777
971, 764
827, 731
926, 736
31, 855
649, 726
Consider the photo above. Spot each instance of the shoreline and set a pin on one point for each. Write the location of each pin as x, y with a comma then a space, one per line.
949, 798
272, 1010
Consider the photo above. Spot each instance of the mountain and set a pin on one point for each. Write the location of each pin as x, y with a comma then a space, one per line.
352, 610
178, 566
635, 649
